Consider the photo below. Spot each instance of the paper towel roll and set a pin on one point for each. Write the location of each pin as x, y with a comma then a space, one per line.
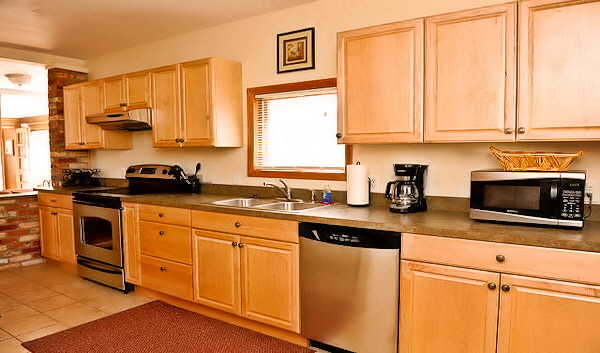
357, 190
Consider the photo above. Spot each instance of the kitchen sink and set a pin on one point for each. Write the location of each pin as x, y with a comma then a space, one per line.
289, 206
268, 204
244, 202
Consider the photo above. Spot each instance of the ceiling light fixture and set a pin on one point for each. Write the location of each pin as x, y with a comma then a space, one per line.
18, 78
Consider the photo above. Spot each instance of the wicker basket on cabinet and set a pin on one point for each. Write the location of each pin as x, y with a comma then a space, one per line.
535, 161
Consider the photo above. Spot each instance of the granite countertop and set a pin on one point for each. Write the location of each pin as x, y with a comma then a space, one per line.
438, 223
453, 224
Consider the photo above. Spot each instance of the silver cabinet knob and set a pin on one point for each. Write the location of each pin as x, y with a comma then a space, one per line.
234, 244
161, 232
492, 286
521, 130
237, 224
500, 258
508, 131
505, 288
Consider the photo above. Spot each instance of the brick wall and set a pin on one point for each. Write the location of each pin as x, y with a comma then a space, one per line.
19, 231
59, 157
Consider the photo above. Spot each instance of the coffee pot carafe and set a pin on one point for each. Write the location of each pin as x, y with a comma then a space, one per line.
407, 193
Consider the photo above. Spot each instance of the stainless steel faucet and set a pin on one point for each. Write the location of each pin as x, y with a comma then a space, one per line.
285, 190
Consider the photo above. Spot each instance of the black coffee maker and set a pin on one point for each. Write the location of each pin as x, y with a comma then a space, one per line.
407, 193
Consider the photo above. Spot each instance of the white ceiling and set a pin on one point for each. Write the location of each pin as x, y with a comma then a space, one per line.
83, 29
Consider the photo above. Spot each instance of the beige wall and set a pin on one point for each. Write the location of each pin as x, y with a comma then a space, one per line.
253, 43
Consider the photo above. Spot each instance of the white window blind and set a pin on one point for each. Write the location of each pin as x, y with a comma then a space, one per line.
296, 131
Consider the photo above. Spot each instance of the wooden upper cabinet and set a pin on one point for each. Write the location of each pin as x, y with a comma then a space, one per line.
470, 75
558, 70
380, 75
195, 102
198, 103
166, 127
126, 92
81, 100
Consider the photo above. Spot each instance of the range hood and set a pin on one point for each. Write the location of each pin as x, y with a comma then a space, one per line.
132, 120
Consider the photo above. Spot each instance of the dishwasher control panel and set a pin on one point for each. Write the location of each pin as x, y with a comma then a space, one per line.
350, 236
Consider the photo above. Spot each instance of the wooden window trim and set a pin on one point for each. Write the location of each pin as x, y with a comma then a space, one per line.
253, 107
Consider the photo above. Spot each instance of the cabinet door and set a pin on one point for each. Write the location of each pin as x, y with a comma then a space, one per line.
166, 125
66, 236
195, 103
217, 274
131, 244
72, 113
113, 97
137, 90
447, 309
91, 100
470, 75
380, 76
48, 233
539, 315
270, 282
558, 70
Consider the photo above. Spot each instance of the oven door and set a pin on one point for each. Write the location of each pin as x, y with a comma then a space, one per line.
98, 233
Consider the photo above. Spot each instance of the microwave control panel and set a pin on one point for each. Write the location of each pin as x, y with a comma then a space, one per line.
572, 199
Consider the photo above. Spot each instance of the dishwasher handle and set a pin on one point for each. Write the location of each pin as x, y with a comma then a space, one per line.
350, 236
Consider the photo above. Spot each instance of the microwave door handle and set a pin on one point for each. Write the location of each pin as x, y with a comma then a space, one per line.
553, 190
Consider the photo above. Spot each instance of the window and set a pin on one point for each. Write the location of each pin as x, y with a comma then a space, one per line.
292, 130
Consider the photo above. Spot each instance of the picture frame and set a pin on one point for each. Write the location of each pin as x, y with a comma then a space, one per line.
296, 50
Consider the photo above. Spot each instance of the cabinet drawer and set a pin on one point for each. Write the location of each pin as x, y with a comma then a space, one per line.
164, 214
570, 265
55, 200
166, 241
267, 228
167, 277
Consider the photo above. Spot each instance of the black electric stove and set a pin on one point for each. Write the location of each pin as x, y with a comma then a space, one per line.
143, 179
98, 225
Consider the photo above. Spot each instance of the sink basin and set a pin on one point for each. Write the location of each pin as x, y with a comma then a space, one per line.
268, 204
244, 202
289, 206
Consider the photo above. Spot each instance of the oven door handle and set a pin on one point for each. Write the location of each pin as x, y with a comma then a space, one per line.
88, 264
86, 203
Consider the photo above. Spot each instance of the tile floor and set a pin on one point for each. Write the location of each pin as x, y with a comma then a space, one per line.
38, 300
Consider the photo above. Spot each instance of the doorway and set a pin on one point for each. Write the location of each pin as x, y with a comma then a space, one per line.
25, 145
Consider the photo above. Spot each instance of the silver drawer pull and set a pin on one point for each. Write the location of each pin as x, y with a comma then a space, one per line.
163, 268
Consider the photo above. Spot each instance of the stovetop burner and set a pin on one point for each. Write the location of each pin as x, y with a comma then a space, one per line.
143, 180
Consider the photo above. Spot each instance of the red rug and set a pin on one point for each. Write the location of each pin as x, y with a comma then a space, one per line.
159, 327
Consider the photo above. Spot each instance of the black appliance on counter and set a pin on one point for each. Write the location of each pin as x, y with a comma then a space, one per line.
548, 198
98, 224
80, 177
407, 193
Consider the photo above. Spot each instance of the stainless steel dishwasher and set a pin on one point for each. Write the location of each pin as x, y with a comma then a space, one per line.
349, 288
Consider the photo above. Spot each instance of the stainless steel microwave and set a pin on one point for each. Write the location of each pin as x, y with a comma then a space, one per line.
543, 198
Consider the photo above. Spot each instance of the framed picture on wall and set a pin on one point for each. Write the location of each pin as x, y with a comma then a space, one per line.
296, 50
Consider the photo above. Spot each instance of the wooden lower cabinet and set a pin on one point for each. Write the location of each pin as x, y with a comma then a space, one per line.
56, 228
447, 309
538, 315
252, 277
169, 277
499, 306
